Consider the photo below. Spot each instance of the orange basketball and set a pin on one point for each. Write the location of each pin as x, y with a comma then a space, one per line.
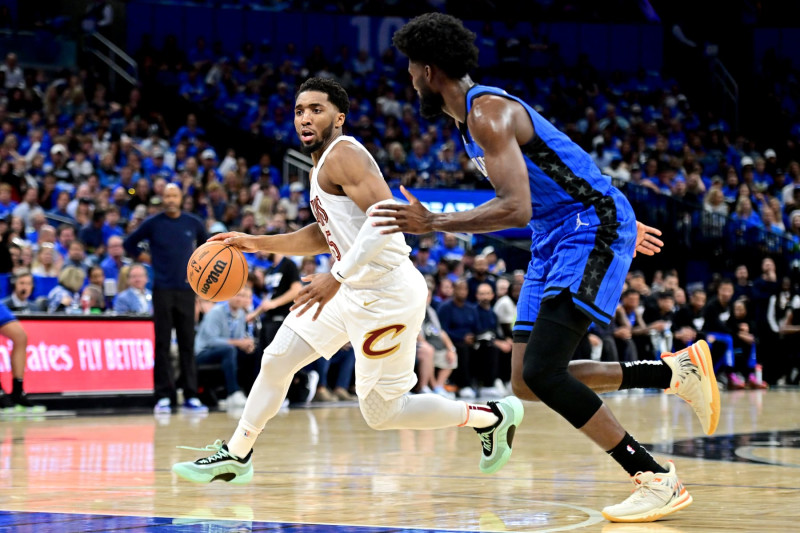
217, 271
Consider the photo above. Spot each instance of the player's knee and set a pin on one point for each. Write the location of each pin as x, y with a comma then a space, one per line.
379, 413
541, 380
521, 389
21, 337
15, 332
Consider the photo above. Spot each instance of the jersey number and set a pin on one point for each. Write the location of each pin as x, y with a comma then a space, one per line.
334, 248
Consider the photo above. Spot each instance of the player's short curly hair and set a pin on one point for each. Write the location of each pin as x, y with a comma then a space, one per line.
336, 93
440, 40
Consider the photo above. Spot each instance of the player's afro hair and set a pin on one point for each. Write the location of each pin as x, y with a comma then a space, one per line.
440, 40
336, 93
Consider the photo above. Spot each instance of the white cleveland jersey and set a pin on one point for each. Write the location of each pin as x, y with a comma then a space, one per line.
340, 220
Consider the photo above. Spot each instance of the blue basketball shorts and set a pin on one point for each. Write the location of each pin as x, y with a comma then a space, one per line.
583, 256
6, 315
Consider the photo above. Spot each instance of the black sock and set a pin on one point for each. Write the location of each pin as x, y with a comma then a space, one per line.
646, 374
16, 387
633, 457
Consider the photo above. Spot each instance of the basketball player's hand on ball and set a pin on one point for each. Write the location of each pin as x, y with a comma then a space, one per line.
647, 241
320, 291
243, 241
408, 218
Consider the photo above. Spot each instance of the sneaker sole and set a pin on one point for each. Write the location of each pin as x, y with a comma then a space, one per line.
652, 516
502, 434
701, 356
190, 474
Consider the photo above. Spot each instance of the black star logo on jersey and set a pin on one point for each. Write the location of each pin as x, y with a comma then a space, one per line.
578, 188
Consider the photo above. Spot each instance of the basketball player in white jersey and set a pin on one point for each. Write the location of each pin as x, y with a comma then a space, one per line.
373, 297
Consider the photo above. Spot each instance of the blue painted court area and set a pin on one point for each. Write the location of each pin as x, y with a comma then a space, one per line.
21, 522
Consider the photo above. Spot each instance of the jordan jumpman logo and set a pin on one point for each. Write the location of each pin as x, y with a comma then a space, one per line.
578, 223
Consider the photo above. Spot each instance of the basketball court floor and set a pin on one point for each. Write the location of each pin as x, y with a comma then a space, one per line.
324, 470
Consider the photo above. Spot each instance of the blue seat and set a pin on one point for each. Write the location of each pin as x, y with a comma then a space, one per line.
5, 285
42, 285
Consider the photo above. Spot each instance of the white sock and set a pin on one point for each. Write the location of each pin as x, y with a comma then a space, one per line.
479, 416
286, 354
243, 439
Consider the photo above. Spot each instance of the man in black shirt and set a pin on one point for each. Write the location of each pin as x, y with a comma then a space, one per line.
282, 283
715, 326
173, 237
689, 320
659, 322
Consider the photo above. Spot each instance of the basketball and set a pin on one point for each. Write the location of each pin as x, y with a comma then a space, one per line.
216, 271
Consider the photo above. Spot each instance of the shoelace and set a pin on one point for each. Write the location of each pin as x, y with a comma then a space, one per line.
642, 488
215, 447
688, 367
486, 440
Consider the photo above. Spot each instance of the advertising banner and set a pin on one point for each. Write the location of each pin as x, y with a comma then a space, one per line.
84, 356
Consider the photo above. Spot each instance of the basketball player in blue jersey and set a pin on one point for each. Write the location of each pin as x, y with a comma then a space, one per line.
584, 236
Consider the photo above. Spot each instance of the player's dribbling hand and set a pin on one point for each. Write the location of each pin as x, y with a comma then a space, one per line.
322, 288
408, 218
647, 241
243, 241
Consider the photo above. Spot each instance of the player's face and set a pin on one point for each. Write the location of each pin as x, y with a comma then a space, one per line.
314, 120
430, 102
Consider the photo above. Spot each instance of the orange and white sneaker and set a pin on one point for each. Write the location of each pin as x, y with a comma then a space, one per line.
654, 497
693, 380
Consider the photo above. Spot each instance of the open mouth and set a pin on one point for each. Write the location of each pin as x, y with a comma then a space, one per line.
306, 135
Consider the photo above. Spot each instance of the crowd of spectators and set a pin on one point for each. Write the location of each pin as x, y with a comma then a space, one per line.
640, 129
81, 170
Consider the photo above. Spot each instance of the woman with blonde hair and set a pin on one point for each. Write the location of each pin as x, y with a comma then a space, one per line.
67, 293
47, 262
715, 202
744, 212
122, 278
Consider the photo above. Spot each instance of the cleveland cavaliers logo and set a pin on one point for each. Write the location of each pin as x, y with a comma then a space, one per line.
319, 212
373, 337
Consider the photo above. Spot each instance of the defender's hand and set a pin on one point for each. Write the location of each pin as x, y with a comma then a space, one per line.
647, 241
322, 288
411, 218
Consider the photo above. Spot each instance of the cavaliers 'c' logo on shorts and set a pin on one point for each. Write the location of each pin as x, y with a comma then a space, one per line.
371, 338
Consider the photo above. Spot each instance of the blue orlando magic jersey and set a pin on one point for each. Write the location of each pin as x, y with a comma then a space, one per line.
564, 181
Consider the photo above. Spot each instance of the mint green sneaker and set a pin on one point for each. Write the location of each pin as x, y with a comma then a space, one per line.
222, 465
497, 439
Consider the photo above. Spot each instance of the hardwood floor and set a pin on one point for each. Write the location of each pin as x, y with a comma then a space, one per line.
323, 468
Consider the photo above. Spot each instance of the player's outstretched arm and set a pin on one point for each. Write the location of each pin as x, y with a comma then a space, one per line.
494, 125
306, 241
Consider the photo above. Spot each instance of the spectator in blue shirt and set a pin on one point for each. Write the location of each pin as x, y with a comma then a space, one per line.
137, 298
200, 55
449, 249
92, 233
111, 224
420, 159
744, 212
115, 258
257, 171
421, 258
194, 87
459, 319
222, 336
7, 205
60, 210
65, 234
190, 132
